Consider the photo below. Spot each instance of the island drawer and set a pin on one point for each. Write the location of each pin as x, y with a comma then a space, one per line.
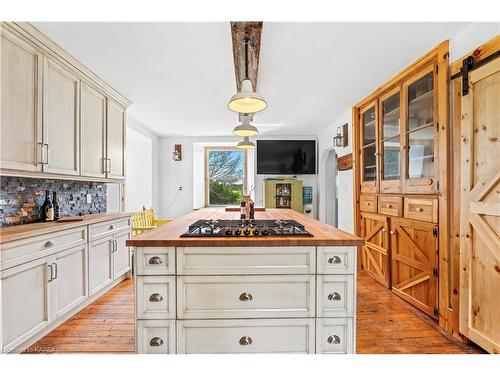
335, 296
106, 228
335, 336
155, 297
245, 336
155, 337
336, 259
22, 251
155, 260
208, 297
424, 209
246, 260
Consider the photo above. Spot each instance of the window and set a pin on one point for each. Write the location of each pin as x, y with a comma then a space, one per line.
226, 175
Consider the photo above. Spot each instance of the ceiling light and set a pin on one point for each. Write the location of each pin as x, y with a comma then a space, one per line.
246, 144
245, 129
247, 100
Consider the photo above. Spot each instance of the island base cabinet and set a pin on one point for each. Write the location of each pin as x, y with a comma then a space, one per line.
245, 336
335, 336
155, 337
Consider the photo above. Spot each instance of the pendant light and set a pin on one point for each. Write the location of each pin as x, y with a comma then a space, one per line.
246, 144
245, 129
247, 100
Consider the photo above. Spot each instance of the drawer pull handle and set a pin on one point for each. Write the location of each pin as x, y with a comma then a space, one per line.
155, 260
335, 260
156, 341
245, 341
246, 297
155, 297
334, 339
49, 243
418, 209
334, 296
111, 227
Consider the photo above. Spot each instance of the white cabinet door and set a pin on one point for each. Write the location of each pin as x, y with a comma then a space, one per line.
100, 264
70, 280
116, 141
61, 123
21, 103
93, 132
121, 255
26, 302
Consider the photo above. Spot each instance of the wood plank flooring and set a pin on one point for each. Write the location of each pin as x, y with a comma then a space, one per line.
385, 324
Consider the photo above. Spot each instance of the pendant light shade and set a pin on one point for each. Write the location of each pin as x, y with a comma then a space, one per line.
245, 129
247, 101
246, 144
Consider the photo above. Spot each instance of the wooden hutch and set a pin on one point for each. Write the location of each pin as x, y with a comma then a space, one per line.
401, 183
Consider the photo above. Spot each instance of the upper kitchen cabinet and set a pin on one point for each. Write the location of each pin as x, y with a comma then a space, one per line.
21, 103
61, 123
116, 128
93, 123
58, 118
369, 149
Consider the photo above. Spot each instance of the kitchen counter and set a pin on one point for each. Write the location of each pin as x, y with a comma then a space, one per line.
169, 234
18, 232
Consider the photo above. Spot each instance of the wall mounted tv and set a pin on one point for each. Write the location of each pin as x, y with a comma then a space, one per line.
286, 157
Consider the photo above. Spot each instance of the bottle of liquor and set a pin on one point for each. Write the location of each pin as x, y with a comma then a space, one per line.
252, 211
47, 208
242, 209
57, 207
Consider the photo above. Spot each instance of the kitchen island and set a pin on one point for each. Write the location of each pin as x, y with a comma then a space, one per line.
245, 294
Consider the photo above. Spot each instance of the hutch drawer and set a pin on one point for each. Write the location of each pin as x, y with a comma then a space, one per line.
245, 336
424, 209
368, 203
391, 206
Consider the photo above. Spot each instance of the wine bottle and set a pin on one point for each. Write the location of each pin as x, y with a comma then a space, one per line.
242, 209
57, 207
48, 208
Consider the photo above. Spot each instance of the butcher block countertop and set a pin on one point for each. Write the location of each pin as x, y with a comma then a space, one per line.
169, 234
18, 232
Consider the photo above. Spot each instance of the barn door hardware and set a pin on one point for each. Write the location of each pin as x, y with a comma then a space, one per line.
436, 311
435, 272
468, 64
435, 231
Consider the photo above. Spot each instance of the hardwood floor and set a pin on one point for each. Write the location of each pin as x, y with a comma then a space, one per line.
385, 324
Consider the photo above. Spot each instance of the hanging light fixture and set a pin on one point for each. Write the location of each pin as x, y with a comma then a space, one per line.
247, 100
245, 129
246, 144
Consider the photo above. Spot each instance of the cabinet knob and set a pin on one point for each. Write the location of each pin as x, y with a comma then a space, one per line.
156, 341
388, 206
335, 260
246, 297
334, 296
245, 341
419, 209
383, 230
391, 232
155, 297
155, 260
334, 339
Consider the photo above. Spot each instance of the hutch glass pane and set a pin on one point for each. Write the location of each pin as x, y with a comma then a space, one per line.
421, 153
369, 126
369, 163
421, 102
390, 116
391, 159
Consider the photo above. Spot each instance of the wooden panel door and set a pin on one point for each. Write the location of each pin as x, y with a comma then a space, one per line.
115, 141
93, 132
297, 196
375, 252
61, 123
414, 253
270, 194
21, 103
480, 205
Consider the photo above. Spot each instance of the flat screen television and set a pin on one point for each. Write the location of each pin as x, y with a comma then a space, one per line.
286, 157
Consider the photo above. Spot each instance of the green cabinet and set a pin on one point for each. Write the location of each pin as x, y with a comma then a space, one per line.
283, 193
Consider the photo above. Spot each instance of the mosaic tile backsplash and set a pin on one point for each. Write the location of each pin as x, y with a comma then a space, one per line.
21, 198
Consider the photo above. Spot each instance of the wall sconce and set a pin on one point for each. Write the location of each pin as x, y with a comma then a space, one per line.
340, 140
177, 154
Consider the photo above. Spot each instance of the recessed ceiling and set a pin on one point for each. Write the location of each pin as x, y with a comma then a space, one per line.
180, 76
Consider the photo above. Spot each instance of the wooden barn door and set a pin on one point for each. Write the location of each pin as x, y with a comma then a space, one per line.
480, 204
414, 253
375, 257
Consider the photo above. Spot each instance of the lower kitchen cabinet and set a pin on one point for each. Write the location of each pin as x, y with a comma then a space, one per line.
122, 260
245, 336
375, 252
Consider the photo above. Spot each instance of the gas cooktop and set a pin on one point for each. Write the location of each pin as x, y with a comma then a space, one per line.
245, 228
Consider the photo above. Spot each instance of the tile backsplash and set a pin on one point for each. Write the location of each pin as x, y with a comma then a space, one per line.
21, 198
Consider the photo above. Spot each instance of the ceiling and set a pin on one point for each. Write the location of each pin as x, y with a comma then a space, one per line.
180, 76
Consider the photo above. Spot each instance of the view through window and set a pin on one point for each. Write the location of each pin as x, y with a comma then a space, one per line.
226, 176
